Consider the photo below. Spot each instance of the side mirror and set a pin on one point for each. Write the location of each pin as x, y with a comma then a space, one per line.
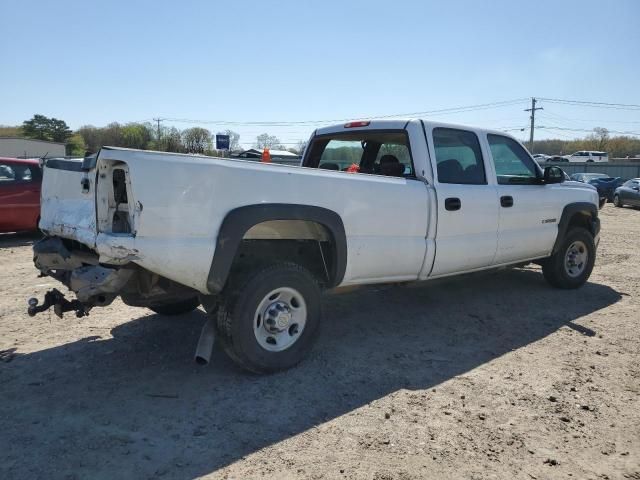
553, 175
635, 188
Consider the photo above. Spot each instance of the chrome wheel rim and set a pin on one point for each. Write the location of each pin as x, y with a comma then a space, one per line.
576, 258
280, 319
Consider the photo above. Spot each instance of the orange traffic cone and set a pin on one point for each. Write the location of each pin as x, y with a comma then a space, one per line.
266, 156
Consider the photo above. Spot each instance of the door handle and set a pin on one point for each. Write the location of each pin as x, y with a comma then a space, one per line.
452, 203
506, 201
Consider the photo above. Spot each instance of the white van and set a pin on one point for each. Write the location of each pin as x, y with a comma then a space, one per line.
588, 156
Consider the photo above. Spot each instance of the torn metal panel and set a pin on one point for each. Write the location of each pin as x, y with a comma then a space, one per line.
52, 254
116, 249
91, 281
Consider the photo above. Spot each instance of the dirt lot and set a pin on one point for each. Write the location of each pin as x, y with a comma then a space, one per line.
494, 376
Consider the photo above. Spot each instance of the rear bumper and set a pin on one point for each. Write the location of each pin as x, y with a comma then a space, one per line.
80, 271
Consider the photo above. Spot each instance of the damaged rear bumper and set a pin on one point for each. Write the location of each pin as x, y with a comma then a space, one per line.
98, 276
79, 269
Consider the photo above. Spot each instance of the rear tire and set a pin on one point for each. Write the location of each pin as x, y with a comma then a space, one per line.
268, 320
176, 308
571, 266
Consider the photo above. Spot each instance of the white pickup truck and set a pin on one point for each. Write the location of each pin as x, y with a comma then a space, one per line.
256, 244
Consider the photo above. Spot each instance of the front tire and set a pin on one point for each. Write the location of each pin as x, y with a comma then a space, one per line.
617, 202
268, 320
571, 266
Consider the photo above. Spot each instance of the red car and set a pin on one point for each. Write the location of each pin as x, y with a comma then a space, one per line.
20, 181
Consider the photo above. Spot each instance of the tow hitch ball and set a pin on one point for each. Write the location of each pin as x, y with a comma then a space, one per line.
54, 298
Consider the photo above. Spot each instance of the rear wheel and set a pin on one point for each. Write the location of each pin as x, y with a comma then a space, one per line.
268, 320
176, 308
571, 265
616, 201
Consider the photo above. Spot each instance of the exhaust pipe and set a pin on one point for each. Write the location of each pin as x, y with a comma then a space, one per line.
205, 343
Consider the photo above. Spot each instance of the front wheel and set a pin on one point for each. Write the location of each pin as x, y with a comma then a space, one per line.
616, 201
268, 320
571, 265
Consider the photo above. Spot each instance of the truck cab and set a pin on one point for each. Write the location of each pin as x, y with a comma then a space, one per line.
483, 188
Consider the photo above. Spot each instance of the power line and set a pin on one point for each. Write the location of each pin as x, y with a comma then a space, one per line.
442, 111
585, 120
615, 106
586, 130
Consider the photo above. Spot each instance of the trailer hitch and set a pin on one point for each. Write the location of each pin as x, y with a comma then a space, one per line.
54, 298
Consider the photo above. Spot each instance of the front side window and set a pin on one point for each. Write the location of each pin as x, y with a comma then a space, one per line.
513, 164
376, 152
458, 157
16, 173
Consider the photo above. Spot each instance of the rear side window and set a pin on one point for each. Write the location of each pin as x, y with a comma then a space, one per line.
513, 164
458, 157
364, 151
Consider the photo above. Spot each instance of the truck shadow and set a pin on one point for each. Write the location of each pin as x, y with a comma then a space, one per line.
23, 239
135, 405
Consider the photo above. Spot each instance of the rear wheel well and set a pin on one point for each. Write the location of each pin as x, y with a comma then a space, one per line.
305, 243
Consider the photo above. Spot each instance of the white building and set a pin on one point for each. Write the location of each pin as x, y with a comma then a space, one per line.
17, 147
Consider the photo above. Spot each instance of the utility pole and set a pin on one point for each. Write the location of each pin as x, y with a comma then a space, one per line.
158, 120
533, 120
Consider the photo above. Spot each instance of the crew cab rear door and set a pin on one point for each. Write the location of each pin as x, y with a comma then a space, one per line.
467, 228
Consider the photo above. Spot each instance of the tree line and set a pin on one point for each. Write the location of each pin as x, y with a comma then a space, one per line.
621, 146
145, 136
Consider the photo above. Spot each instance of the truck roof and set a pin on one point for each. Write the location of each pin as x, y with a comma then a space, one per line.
395, 124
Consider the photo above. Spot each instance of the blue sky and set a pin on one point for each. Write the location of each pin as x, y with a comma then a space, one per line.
97, 62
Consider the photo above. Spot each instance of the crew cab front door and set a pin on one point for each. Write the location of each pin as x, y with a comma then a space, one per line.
529, 210
466, 237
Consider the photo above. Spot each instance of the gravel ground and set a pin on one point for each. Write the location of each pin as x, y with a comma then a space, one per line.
492, 376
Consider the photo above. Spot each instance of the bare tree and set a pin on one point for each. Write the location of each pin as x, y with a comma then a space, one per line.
601, 138
300, 147
234, 139
196, 140
171, 140
267, 141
